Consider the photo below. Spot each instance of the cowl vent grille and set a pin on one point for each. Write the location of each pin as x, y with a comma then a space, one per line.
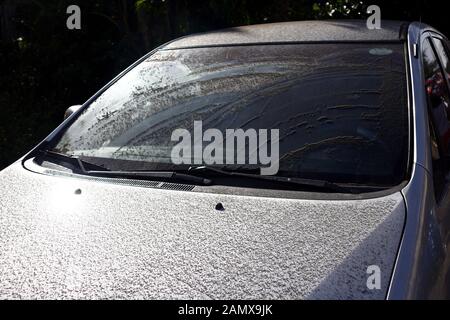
127, 182
175, 186
31, 165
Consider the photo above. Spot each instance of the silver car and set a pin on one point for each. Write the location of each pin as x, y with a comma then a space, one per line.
358, 209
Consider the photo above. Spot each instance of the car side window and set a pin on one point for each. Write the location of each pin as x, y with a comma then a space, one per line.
439, 168
438, 108
437, 95
442, 51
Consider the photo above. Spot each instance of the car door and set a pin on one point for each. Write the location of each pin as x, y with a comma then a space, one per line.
436, 66
437, 78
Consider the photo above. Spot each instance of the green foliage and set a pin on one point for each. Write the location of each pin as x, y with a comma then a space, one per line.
340, 9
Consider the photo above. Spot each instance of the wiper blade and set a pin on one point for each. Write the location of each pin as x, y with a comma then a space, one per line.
75, 161
105, 172
165, 175
320, 184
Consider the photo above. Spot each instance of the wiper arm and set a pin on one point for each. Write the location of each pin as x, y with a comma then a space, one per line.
105, 172
165, 175
75, 161
320, 184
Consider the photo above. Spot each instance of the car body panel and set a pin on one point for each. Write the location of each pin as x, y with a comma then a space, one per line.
294, 32
112, 241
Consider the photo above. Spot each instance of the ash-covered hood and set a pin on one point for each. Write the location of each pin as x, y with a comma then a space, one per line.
116, 241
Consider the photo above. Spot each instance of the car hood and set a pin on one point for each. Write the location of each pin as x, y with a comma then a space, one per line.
73, 238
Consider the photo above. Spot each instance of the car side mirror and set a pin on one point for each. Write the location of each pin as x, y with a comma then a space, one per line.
71, 110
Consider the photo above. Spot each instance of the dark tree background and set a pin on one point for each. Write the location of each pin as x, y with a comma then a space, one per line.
44, 67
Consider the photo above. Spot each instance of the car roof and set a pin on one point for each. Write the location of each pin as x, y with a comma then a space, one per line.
299, 31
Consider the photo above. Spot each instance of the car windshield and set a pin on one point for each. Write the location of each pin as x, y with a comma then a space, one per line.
340, 109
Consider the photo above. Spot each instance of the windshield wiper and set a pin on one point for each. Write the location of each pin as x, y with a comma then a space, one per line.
164, 175
73, 160
82, 166
308, 183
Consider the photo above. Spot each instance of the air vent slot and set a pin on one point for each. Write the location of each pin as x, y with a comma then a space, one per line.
175, 186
